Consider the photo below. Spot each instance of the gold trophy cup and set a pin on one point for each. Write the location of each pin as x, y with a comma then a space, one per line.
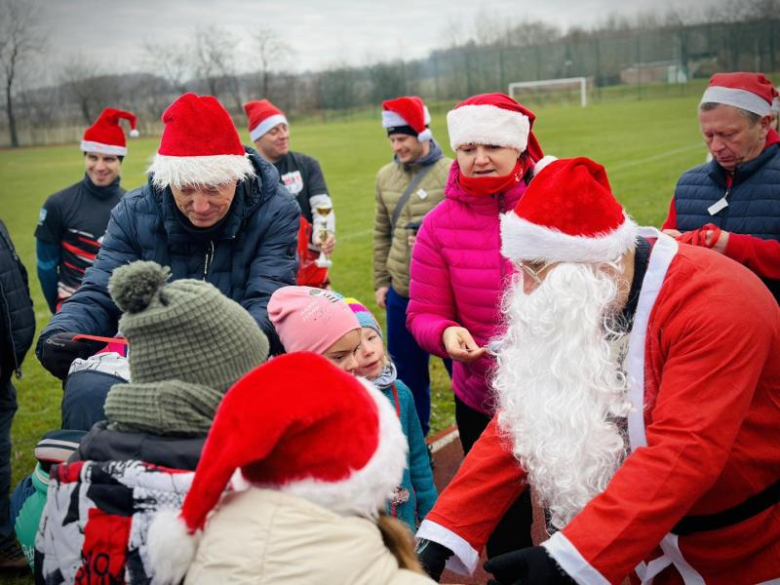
322, 213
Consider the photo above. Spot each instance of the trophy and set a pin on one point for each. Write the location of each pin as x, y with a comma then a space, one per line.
323, 219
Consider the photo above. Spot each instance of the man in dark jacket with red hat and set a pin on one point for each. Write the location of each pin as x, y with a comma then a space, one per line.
72, 222
212, 210
732, 203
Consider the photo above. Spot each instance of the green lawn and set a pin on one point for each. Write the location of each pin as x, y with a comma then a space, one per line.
645, 145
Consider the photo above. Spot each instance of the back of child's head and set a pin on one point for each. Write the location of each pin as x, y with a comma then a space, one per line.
364, 316
310, 319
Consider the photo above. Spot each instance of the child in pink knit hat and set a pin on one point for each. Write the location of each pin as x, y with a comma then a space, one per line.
316, 320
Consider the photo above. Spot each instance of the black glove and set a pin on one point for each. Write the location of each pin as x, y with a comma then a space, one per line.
59, 351
526, 566
433, 557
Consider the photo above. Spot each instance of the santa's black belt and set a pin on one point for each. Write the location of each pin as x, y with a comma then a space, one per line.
753, 506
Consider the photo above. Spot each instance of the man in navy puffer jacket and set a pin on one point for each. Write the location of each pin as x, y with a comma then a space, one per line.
212, 210
732, 203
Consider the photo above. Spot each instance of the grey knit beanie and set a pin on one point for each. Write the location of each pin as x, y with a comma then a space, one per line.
185, 330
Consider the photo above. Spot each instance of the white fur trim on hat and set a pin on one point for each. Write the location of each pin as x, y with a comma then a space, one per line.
171, 547
87, 146
490, 125
199, 170
739, 98
391, 119
542, 163
367, 490
267, 125
523, 240
134, 133
425, 135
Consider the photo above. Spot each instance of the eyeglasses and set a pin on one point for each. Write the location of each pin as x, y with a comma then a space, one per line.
533, 269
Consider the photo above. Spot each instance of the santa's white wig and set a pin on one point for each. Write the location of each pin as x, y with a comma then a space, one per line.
558, 384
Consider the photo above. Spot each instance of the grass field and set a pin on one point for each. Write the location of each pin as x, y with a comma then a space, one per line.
645, 145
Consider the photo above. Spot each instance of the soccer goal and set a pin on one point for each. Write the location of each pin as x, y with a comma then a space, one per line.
551, 90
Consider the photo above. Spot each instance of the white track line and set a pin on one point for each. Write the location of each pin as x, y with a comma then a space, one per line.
612, 169
655, 157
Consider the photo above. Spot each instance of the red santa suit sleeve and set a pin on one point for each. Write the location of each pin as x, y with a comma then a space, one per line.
711, 388
468, 510
761, 256
671, 219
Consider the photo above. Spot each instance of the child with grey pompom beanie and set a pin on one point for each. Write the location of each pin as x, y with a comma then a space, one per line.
188, 343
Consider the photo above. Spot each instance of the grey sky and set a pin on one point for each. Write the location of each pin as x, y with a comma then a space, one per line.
322, 33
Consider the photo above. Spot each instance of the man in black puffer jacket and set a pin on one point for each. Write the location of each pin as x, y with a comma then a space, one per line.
17, 329
212, 210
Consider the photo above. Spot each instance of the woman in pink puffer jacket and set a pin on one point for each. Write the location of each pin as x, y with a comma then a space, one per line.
458, 274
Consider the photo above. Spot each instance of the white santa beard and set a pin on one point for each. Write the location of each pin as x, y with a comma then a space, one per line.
559, 386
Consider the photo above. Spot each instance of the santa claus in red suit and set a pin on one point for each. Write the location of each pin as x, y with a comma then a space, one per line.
638, 385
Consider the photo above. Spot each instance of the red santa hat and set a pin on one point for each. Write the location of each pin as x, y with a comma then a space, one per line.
405, 112
568, 214
106, 136
263, 116
749, 91
200, 145
296, 424
495, 119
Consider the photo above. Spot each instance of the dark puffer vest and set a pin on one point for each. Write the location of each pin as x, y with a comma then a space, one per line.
754, 199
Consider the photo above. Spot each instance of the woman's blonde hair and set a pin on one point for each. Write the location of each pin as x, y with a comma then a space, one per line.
399, 540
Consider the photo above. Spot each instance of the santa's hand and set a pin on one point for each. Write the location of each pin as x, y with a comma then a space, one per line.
433, 556
525, 567
460, 345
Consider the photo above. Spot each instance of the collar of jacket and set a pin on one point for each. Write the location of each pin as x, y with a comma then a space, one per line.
102, 193
434, 155
718, 174
250, 195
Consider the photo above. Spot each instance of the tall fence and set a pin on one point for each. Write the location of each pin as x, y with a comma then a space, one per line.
629, 64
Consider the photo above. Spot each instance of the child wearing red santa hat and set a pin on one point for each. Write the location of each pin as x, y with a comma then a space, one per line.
317, 466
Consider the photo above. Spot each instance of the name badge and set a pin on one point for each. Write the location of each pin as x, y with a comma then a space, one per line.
422, 193
718, 206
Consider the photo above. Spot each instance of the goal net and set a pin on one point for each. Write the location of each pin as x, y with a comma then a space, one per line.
569, 90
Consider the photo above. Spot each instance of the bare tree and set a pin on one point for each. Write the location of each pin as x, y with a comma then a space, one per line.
170, 61
214, 62
272, 53
84, 82
19, 41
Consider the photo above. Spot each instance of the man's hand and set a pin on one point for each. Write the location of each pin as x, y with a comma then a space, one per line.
60, 350
328, 245
380, 296
433, 556
674, 233
707, 236
460, 345
526, 567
